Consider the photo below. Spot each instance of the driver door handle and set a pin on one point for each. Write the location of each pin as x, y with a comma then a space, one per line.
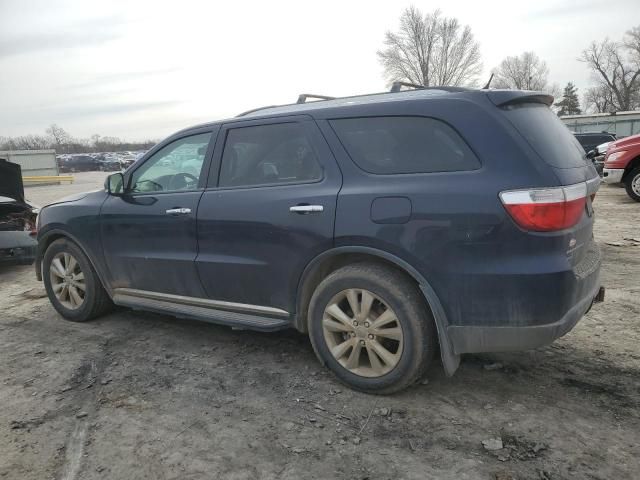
178, 211
305, 209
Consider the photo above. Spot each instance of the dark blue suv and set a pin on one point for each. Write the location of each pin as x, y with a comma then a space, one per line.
387, 226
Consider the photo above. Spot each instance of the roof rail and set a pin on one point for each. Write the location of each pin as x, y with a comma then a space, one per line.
397, 86
256, 109
302, 98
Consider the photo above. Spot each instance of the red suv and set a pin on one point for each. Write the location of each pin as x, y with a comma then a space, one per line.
622, 165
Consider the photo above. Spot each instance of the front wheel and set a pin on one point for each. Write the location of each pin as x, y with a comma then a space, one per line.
369, 324
632, 184
72, 285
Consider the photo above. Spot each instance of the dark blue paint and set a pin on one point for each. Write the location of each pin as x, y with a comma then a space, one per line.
148, 249
243, 245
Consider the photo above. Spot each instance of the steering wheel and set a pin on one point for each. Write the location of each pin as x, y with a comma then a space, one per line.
155, 186
186, 178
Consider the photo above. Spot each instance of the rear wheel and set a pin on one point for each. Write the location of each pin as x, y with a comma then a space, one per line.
632, 184
72, 285
370, 326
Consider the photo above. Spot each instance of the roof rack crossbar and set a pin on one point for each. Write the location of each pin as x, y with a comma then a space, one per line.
397, 86
302, 98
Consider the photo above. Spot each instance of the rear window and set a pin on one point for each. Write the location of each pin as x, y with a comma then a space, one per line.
547, 135
393, 145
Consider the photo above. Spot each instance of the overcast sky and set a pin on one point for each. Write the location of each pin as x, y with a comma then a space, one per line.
141, 69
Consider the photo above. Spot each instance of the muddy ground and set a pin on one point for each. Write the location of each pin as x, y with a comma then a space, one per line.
135, 395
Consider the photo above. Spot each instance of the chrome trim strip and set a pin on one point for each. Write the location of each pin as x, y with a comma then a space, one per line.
202, 302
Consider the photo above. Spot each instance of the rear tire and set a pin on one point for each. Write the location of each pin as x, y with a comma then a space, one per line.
72, 285
632, 184
370, 326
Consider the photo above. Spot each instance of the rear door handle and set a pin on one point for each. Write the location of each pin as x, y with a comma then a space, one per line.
306, 208
178, 211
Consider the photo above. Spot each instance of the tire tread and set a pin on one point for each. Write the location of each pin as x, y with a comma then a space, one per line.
403, 289
100, 301
628, 182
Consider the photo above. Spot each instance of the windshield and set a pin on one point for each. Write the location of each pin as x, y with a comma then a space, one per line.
547, 135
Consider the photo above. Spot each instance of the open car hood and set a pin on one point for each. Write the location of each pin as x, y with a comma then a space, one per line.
11, 181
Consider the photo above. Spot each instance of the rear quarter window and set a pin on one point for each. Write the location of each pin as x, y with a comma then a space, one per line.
546, 134
396, 145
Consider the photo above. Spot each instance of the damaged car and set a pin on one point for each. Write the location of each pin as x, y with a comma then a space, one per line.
17, 218
389, 227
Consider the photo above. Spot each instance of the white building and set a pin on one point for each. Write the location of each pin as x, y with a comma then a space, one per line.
622, 124
33, 162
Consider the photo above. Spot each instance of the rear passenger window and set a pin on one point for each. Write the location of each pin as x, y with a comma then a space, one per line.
388, 145
268, 155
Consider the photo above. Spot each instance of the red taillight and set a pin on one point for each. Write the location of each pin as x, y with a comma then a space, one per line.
546, 209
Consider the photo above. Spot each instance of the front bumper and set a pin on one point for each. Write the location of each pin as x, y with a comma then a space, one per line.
17, 247
612, 175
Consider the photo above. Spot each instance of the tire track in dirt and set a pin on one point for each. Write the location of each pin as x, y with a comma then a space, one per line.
85, 403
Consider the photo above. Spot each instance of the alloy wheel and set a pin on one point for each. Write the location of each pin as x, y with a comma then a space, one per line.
635, 185
362, 332
67, 280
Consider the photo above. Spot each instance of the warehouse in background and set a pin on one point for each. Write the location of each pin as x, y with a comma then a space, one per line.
622, 124
37, 165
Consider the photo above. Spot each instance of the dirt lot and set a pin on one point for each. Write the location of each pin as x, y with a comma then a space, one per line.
136, 395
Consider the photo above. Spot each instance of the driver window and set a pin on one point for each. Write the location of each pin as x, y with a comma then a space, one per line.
174, 168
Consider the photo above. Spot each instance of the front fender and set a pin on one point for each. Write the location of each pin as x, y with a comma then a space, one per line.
54, 233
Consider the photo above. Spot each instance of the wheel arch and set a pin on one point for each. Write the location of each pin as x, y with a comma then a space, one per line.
56, 234
331, 260
631, 166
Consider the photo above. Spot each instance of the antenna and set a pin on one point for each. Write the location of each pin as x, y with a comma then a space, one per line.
486, 87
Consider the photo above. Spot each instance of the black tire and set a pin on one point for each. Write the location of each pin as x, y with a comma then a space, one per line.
96, 300
633, 176
404, 298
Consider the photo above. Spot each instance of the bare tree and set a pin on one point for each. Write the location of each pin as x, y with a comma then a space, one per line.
598, 100
26, 142
431, 50
58, 139
524, 72
616, 69
58, 134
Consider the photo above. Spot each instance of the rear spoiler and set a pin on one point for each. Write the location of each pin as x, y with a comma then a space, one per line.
502, 98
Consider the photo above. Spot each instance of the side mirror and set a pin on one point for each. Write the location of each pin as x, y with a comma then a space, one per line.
591, 154
114, 184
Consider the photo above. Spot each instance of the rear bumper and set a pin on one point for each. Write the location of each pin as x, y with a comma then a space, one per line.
468, 339
17, 248
612, 175
509, 333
